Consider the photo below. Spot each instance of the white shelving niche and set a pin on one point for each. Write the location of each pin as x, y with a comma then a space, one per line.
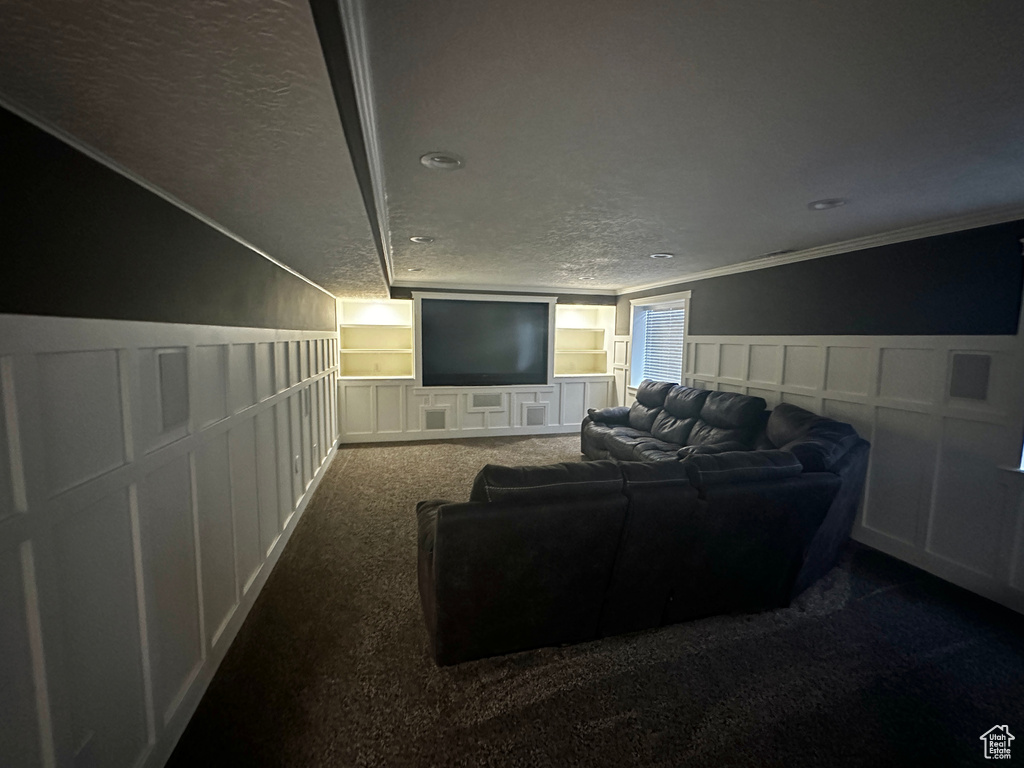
583, 337
376, 339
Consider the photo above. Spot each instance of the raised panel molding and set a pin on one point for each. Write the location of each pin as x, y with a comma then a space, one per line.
378, 410
942, 491
147, 475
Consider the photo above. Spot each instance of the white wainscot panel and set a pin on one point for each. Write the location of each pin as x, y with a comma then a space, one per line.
294, 419
265, 384
731, 361
599, 395
849, 370
19, 727
967, 519
902, 455
284, 461
280, 366
389, 408
266, 476
474, 420
500, 419
216, 544
908, 374
242, 389
293, 362
96, 578
764, 363
854, 414
172, 610
723, 387
802, 366
306, 433
574, 402
6, 485
83, 429
357, 416
705, 359
211, 384
164, 406
245, 506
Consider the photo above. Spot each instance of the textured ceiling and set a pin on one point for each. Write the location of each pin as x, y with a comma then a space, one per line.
596, 133
225, 105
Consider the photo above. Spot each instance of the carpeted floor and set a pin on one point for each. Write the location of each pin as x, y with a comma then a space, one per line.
877, 664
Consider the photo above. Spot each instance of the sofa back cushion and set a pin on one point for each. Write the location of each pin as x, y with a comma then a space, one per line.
727, 417
553, 482
709, 469
682, 407
650, 399
817, 442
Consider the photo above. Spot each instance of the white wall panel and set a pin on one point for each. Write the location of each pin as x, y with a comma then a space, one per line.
357, 414
266, 476
99, 608
802, 366
130, 438
241, 377
19, 725
265, 384
705, 359
765, 363
242, 449
172, 607
211, 399
732, 359
966, 522
82, 426
574, 402
908, 374
849, 370
216, 536
294, 419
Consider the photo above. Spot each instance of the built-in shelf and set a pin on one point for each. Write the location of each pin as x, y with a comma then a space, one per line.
376, 339
582, 336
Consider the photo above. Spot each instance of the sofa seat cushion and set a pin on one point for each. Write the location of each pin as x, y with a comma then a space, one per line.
554, 482
630, 433
704, 433
624, 448
655, 450
712, 469
690, 450
816, 441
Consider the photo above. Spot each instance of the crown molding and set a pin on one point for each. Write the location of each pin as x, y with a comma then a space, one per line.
479, 287
931, 229
356, 38
94, 154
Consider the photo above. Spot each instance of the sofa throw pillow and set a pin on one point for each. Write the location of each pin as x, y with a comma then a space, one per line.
569, 480
618, 414
740, 467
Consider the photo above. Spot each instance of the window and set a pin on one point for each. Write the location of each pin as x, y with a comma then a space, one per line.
659, 331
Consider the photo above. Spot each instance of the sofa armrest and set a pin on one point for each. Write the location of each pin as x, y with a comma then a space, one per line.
740, 467
616, 415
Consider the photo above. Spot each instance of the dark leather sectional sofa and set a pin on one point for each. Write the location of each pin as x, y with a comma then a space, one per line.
740, 512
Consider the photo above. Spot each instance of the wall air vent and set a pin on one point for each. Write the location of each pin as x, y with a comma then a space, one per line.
435, 419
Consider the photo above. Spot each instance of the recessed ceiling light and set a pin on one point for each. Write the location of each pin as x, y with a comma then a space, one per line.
442, 161
662, 255
824, 205
586, 278
421, 239
414, 269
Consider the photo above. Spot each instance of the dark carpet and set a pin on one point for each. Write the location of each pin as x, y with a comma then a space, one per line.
877, 664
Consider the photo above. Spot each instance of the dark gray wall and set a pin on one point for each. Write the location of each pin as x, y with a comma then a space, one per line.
81, 240
965, 283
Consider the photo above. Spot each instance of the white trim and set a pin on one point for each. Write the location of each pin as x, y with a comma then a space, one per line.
99, 157
356, 38
655, 302
33, 623
419, 285
916, 232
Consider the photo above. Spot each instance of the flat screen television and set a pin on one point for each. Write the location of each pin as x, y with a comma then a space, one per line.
483, 343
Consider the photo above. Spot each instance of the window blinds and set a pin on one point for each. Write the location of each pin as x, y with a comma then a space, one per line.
663, 344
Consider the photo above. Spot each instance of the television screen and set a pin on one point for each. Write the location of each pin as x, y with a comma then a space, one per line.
483, 343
